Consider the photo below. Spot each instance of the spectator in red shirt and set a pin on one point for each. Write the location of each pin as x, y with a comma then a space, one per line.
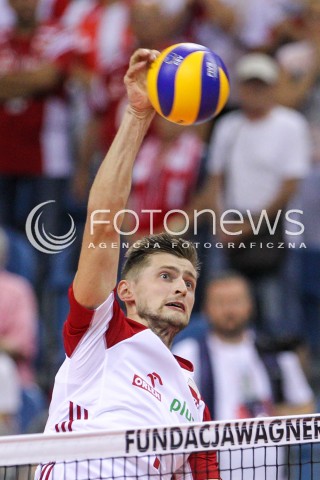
34, 116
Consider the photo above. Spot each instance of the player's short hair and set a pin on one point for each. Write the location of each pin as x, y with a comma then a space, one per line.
138, 255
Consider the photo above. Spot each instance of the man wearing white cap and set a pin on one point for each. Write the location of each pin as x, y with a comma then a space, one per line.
257, 156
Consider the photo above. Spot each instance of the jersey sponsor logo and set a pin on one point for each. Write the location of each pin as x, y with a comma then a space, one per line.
181, 407
141, 383
154, 377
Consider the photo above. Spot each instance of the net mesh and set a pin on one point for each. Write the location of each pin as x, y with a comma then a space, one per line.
284, 448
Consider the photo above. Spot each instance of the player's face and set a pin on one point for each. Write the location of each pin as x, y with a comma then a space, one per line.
164, 291
228, 306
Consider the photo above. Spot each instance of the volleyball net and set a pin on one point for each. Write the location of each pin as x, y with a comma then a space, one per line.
266, 448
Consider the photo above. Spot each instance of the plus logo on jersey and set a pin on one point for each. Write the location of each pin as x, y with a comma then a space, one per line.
141, 383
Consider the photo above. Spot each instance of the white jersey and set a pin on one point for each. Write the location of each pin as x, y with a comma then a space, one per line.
119, 374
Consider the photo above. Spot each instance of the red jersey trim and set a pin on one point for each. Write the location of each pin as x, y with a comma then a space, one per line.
204, 465
184, 363
121, 327
118, 329
78, 322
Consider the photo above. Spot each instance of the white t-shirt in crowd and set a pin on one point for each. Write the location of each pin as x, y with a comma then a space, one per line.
257, 156
239, 372
240, 381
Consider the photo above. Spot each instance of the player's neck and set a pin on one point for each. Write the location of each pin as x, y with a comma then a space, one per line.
161, 327
166, 333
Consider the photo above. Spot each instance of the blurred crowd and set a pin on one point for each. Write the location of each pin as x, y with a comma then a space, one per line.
258, 164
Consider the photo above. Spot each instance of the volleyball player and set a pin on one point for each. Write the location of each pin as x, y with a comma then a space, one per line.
119, 371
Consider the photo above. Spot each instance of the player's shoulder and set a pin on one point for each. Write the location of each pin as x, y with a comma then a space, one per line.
184, 363
84, 311
121, 327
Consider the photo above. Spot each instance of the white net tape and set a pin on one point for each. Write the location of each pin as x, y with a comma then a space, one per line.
219, 436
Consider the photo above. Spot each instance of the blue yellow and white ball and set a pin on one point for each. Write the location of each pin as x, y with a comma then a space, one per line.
188, 84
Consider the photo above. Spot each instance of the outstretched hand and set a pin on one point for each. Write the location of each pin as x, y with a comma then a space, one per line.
135, 78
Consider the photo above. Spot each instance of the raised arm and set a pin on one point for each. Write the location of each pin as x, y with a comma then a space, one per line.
97, 269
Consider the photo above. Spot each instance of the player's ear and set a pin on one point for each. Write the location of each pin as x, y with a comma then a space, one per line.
124, 291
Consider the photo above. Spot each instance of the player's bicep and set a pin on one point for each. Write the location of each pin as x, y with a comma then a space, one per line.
98, 265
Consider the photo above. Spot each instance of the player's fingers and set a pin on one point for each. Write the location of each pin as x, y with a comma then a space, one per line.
139, 60
134, 69
143, 54
138, 56
154, 54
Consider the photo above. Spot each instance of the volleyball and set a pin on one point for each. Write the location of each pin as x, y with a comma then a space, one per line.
188, 84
